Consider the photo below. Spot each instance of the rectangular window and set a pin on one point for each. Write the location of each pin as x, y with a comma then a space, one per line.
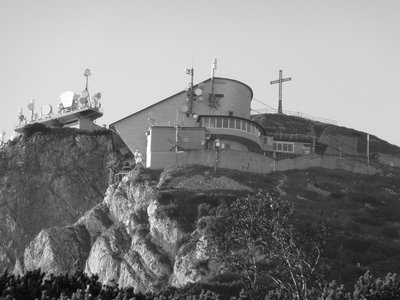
249, 127
238, 125
225, 123
206, 122
244, 125
219, 122
231, 123
231, 113
283, 147
212, 122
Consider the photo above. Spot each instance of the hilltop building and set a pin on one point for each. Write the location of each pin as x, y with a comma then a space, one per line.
212, 115
73, 111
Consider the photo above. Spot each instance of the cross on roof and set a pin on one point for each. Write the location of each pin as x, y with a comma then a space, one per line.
280, 80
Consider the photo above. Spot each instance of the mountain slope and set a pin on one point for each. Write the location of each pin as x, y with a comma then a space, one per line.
48, 179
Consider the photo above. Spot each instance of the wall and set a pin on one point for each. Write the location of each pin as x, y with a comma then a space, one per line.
237, 160
256, 163
161, 144
237, 98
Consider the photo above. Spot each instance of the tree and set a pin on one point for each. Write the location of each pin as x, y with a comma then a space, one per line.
255, 239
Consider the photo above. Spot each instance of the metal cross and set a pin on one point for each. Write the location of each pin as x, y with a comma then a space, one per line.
280, 80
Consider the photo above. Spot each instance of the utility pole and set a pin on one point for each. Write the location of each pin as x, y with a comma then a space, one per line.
280, 80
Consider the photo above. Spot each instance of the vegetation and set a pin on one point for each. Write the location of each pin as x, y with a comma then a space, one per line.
254, 239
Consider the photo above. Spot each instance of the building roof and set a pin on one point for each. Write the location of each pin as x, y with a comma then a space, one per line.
184, 91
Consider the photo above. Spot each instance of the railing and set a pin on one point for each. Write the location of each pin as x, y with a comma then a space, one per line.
294, 113
62, 112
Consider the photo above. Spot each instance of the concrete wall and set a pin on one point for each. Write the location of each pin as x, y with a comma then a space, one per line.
237, 160
237, 98
161, 150
256, 163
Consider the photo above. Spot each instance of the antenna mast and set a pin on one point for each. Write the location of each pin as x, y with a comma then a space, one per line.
190, 94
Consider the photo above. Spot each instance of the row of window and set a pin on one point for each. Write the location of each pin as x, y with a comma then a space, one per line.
231, 123
283, 147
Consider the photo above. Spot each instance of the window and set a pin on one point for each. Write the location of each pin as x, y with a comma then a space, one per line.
206, 122
231, 113
283, 147
219, 123
244, 125
225, 123
231, 123
238, 125
248, 126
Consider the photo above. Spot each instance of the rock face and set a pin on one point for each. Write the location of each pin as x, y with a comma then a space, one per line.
139, 236
50, 179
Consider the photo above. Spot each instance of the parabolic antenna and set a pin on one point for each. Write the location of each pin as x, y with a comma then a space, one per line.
31, 105
184, 108
198, 91
47, 109
85, 94
67, 99
82, 100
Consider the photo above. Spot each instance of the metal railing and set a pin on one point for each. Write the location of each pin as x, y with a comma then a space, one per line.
36, 117
293, 113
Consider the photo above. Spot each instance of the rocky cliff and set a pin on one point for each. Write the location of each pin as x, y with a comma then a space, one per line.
147, 233
49, 178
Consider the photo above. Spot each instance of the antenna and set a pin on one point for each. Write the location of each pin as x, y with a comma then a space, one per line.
67, 98
85, 93
2, 136
31, 107
190, 91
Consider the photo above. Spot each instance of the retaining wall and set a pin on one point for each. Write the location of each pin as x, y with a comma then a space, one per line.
256, 163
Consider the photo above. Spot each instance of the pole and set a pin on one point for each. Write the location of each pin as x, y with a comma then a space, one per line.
280, 92
368, 149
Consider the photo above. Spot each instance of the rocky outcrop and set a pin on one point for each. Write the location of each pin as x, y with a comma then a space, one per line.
139, 236
49, 179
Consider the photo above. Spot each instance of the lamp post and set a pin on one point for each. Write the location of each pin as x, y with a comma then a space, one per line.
217, 147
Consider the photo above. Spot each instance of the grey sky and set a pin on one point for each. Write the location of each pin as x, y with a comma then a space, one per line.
343, 56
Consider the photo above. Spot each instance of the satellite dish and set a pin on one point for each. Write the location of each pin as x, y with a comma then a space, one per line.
85, 94
67, 99
184, 108
83, 100
87, 73
97, 95
47, 109
31, 105
198, 91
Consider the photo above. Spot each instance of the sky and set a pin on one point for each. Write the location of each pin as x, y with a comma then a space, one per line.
343, 56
